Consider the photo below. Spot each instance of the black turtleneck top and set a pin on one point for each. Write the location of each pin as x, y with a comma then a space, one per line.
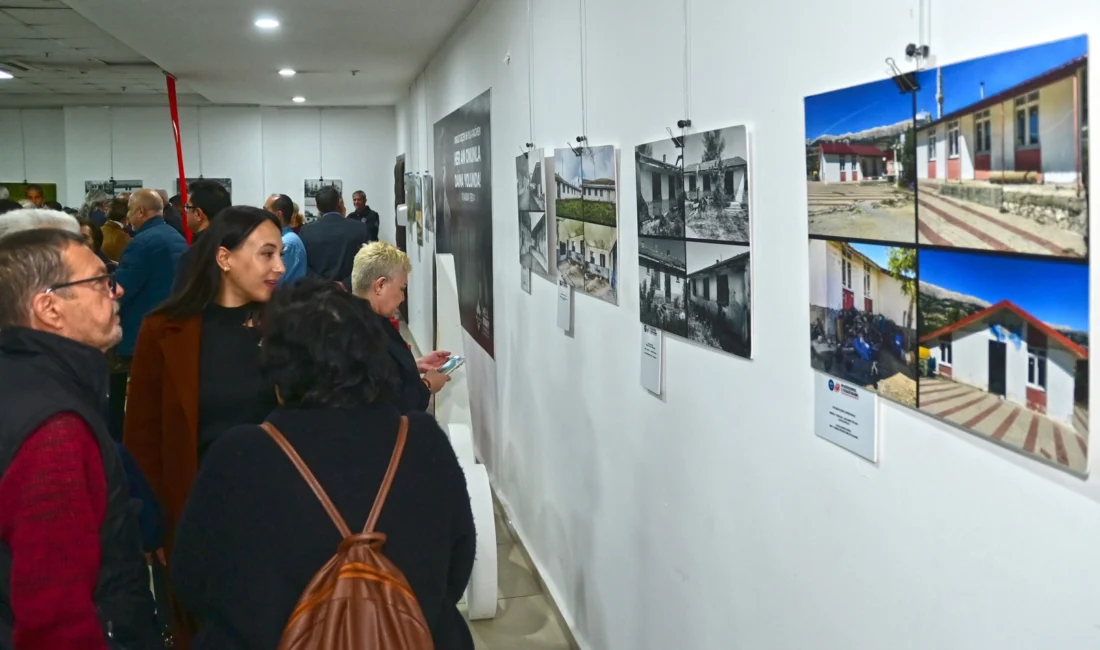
232, 391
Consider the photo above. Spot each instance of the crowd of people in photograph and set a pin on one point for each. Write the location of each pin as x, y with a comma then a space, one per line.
146, 503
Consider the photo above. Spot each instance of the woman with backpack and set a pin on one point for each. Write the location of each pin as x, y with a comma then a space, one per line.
257, 552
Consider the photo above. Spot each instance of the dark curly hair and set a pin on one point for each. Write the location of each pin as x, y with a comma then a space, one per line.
323, 347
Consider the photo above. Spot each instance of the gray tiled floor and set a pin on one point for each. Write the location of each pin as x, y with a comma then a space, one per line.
526, 619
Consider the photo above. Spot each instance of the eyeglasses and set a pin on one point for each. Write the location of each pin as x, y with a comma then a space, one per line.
107, 282
190, 208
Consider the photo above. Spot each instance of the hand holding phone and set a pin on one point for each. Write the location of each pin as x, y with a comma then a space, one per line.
453, 364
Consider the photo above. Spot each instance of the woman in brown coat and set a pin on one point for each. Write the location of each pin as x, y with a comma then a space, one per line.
196, 368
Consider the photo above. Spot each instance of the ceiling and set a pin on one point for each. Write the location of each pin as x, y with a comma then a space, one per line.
110, 52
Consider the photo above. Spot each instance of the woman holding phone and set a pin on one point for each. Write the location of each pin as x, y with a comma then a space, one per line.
379, 276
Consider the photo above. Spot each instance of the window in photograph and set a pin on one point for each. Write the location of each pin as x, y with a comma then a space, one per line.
1037, 367
931, 146
843, 163
691, 183
1027, 120
866, 279
706, 182
983, 129
953, 140
706, 288
723, 290
657, 188
846, 269
945, 352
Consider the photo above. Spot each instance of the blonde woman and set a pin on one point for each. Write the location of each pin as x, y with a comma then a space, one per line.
379, 276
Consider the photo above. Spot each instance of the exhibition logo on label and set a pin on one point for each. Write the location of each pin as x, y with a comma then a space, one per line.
837, 387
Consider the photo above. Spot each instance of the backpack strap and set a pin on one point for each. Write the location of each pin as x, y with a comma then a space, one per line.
304, 470
384, 491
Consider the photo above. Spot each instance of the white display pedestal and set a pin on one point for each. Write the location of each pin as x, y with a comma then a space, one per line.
452, 411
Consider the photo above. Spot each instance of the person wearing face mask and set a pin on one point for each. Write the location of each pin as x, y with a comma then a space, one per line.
196, 367
72, 571
379, 276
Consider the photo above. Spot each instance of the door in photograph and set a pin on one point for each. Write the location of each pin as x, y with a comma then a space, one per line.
668, 287
868, 306
998, 357
849, 299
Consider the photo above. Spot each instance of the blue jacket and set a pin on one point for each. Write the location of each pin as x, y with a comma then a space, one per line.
294, 257
146, 272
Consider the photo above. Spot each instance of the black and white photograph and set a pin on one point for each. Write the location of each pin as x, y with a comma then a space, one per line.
429, 202
662, 273
570, 257
227, 183
530, 192
719, 303
463, 172
659, 177
716, 182
410, 197
533, 241
113, 188
313, 185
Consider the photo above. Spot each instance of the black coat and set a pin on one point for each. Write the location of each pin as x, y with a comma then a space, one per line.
331, 244
370, 219
253, 534
412, 394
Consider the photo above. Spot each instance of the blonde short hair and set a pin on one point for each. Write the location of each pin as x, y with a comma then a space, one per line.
376, 260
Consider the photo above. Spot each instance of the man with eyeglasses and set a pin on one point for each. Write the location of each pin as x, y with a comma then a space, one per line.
147, 272
72, 570
205, 199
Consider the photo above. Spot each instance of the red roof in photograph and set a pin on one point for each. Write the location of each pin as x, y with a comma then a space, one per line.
851, 149
1045, 79
1052, 333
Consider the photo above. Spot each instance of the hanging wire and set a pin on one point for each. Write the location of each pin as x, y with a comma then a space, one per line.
584, 68
531, 68
23, 143
687, 61
321, 143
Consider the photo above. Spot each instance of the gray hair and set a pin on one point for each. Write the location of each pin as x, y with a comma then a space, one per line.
31, 262
35, 218
94, 199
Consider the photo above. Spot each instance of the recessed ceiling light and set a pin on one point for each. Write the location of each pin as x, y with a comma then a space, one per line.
267, 23
299, 100
288, 72
4, 74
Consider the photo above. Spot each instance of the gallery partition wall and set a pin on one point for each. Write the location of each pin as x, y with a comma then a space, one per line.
711, 516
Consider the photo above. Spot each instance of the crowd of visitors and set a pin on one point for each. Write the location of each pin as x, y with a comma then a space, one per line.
136, 370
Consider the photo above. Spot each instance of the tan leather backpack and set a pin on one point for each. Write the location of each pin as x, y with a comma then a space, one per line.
359, 599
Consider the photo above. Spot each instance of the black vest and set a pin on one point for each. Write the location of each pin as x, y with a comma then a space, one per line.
42, 375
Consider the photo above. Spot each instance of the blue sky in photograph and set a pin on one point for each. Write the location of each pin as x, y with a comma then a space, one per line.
1055, 292
879, 254
879, 103
598, 162
568, 166
962, 81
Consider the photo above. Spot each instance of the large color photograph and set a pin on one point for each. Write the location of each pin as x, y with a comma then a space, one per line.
37, 193
859, 164
464, 208
1002, 153
1004, 349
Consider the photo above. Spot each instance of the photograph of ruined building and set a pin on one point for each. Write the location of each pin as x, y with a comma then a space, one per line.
659, 168
662, 273
859, 163
586, 207
1004, 350
719, 302
716, 185
863, 321
1002, 159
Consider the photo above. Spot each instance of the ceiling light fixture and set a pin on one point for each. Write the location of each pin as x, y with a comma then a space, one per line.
267, 23
299, 100
4, 74
288, 72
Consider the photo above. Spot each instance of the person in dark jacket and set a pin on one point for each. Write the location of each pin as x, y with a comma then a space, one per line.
172, 215
380, 275
205, 200
364, 213
146, 271
325, 353
333, 240
72, 570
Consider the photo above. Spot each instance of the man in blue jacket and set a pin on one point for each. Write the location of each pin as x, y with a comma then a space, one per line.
146, 273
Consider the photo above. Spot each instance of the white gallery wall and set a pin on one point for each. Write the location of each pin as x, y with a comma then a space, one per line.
263, 150
713, 517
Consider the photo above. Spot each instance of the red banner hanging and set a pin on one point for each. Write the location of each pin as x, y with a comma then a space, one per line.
173, 105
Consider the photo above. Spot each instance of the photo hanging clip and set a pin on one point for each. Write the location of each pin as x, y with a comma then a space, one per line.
527, 152
583, 141
905, 81
677, 142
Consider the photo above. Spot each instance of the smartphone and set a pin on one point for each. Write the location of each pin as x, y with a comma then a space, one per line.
454, 363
